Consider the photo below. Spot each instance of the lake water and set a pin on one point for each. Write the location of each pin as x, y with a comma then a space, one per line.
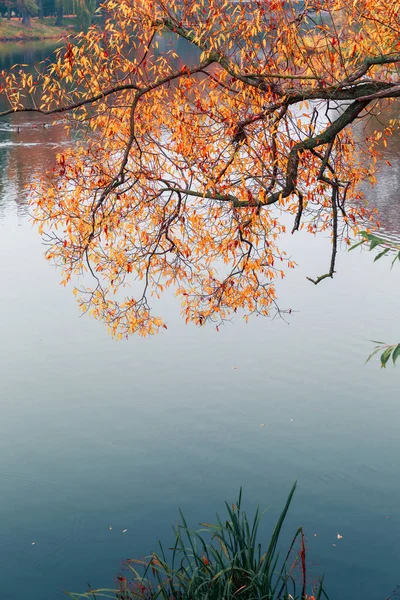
97, 434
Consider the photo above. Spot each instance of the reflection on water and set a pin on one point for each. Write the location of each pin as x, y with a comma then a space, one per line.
26, 52
386, 197
27, 147
96, 434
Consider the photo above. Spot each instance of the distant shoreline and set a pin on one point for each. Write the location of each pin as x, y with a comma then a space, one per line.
12, 30
32, 39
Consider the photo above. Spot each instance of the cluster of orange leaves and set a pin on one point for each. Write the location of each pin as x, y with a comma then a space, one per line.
177, 147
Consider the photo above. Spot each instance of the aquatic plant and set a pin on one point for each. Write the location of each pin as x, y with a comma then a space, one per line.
221, 561
392, 249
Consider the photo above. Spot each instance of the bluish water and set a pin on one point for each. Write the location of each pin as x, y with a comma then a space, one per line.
97, 434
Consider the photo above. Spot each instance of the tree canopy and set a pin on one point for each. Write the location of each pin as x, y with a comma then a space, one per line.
83, 9
181, 169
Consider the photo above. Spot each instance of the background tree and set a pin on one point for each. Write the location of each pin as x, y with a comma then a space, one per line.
190, 172
8, 4
28, 9
59, 6
85, 10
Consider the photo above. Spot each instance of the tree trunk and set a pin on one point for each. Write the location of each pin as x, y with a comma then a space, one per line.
26, 17
60, 14
41, 11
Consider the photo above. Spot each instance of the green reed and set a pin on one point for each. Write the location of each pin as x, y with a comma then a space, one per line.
221, 561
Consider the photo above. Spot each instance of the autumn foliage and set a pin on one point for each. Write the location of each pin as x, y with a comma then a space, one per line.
183, 172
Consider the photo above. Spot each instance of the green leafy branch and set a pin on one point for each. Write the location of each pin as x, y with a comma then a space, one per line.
386, 247
375, 241
387, 352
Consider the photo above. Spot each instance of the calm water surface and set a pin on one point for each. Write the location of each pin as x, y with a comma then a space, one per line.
96, 434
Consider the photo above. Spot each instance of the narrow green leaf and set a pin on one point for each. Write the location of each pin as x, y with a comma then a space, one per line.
385, 356
373, 354
356, 245
374, 244
378, 256
396, 353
